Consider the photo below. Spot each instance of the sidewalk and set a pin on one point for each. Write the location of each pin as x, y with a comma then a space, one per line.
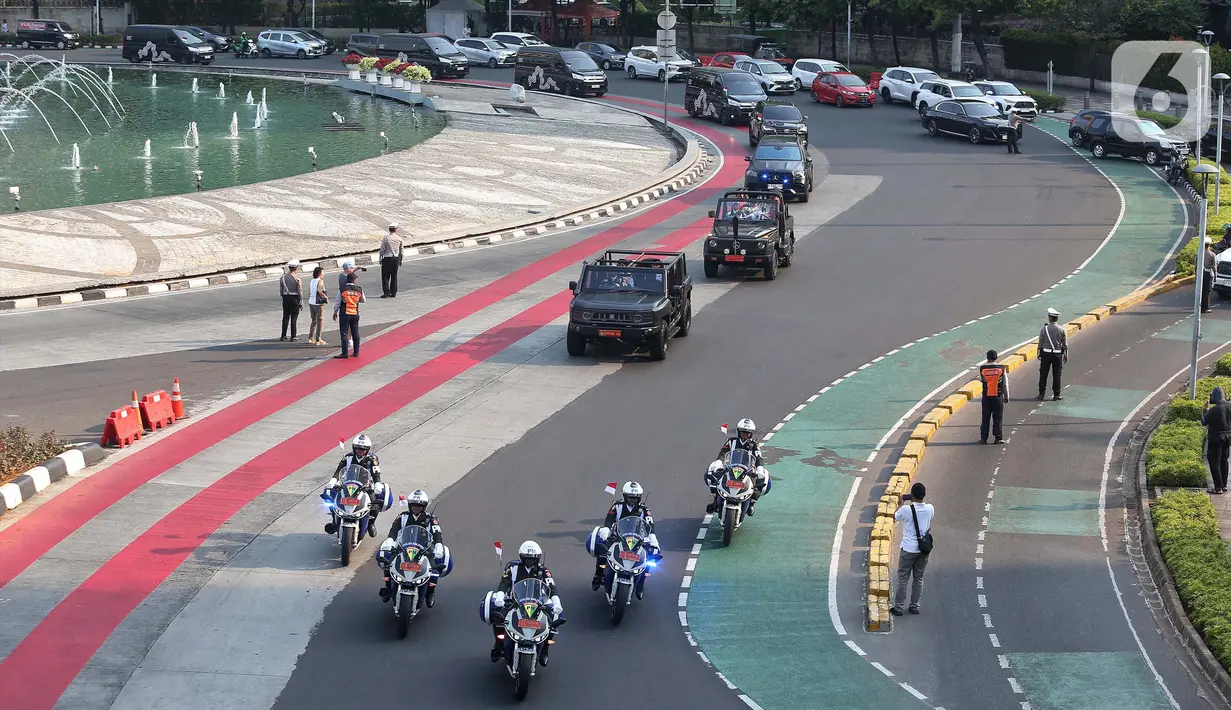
484, 169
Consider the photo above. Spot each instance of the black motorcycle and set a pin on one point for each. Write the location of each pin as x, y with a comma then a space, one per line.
1175, 169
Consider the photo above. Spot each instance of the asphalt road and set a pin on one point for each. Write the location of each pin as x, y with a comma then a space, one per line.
861, 285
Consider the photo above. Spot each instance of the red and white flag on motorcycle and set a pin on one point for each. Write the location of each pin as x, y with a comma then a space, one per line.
611, 488
499, 549
723, 428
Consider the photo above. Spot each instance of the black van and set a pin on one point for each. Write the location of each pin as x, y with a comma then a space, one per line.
728, 95
569, 71
46, 33
165, 43
433, 51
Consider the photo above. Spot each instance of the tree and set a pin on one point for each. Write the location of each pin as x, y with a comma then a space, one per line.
1087, 21
1159, 19
979, 12
818, 16
294, 11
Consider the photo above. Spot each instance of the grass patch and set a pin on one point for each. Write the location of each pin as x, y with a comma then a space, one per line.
20, 451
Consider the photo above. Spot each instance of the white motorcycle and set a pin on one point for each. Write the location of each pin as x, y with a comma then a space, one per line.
527, 623
412, 570
631, 554
349, 506
734, 484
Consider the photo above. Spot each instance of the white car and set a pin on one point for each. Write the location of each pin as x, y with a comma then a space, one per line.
644, 61
933, 92
772, 76
1009, 98
902, 83
489, 52
517, 39
805, 71
1222, 274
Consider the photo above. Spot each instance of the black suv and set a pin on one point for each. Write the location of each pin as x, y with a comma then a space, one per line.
752, 230
776, 117
728, 95
1131, 137
634, 298
780, 164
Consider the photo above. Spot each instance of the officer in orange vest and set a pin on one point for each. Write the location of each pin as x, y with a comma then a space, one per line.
346, 312
995, 381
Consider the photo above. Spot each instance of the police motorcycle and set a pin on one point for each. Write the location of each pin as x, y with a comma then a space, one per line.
526, 614
1175, 168
629, 561
349, 505
733, 483
412, 568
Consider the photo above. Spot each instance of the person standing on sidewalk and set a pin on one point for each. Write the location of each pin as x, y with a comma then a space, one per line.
346, 312
1015, 123
390, 261
1217, 421
318, 296
916, 517
1053, 354
292, 298
995, 380
1207, 278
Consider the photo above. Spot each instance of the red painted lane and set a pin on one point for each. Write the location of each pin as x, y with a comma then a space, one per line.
38, 671
34, 535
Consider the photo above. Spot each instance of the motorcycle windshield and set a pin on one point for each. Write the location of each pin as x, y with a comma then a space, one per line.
530, 590
632, 525
414, 536
357, 474
741, 458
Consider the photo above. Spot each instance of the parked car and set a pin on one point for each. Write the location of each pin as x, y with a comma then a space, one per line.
433, 51
728, 95
977, 120
645, 62
933, 92
759, 47
1132, 137
771, 75
723, 60
220, 43
327, 44
486, 52
518, 39
47, 33
777, 117
1080, 123
286, 43
569, 71
843, 89
605, 55
902, 83
1009, 98
805, 71
164, 43
363, 44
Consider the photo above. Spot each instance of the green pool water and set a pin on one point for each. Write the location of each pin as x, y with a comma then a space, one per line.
295, 120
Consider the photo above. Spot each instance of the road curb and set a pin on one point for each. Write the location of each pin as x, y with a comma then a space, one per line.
879, 574
1157, 567
695, 163
27, 485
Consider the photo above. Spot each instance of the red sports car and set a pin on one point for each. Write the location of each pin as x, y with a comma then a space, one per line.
843, 89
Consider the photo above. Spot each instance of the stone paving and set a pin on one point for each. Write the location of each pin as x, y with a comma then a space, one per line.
487, 167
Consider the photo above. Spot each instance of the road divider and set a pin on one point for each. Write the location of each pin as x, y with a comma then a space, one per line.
879, 573
156, 411
122, 428
27, 485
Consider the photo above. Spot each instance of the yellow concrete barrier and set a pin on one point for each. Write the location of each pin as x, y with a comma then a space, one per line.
973, 390
953, 403
936, 416
1084, 322
1100, 313
906, 467
1012, 362
1028, 352
913, 450
923, 431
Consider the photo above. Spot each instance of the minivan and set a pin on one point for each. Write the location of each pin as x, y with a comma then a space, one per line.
288, 43
164, 43
363, 44
46, 33
569, 71
433, 51
728, 95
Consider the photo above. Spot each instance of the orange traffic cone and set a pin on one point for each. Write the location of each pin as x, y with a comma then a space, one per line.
177, 403
136, 405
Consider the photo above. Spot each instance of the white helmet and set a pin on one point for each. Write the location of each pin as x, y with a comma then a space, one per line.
530, 553
632, 494
361, 442
746, 426
419, 498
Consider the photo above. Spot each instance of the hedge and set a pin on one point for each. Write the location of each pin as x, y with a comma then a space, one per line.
1164, 120
1174, 456
1222, 366
1200, 561
1046, 101
20, 452
1182, 407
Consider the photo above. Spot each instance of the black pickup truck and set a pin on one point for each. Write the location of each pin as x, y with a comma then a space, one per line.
636, 299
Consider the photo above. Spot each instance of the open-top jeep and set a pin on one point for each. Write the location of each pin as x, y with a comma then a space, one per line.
752, 230
634, 298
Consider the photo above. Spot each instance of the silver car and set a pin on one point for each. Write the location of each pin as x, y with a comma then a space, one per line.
282, 43
486, 52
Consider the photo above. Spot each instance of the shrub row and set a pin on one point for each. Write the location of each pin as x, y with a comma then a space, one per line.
1175, 457
1046, 101
1164, 120
20, 452
1200, 561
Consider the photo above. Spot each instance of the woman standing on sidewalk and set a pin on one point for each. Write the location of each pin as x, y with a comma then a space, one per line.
1217, 420
317, 297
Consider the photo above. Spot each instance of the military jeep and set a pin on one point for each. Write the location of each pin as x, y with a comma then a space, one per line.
752, 230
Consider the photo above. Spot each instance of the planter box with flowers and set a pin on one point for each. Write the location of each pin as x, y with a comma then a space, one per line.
386, 79
394, 70
351, 62
415, 77
368, 65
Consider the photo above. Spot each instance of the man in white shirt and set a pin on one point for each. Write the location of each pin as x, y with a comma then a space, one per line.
916, 519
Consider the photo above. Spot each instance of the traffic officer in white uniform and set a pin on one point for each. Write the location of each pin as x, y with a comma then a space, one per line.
1053, 353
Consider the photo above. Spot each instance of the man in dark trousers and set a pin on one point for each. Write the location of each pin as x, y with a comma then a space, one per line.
1015, 123
1207, 278
346, 312
1053, 353
292, 299
390, 260
995, 379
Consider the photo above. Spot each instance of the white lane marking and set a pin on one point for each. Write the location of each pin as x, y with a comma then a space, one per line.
683, 618
813, 398
882, 669
704, 658
851, 644
982, 599
995, 641
834, 554
701, 533
706, 520
850, 374
907, 687
872, 457
824, 390
787, 418
978, 549
691, 641
686, 582
864, 366
723, 678
696, 549
1004, 661
1017, 688
767, 437
801, 407
878, 359
691, 564
978, 563
778, 426
1140, 647
978, 583
748, 701
683, 600
987, 621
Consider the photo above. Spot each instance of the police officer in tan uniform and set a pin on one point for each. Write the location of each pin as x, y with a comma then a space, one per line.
1053, 353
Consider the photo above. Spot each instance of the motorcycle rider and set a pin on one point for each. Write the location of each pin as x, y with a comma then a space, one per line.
629, 506
243, 43
361, 455
745, 438
415, 514
529, 564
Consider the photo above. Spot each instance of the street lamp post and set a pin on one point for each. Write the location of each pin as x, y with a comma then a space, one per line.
848, 33
1204, 170
1222, 79
1203, 91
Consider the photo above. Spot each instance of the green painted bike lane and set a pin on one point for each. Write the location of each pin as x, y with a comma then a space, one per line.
760, 609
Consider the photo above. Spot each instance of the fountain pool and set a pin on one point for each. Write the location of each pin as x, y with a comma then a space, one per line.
292, 117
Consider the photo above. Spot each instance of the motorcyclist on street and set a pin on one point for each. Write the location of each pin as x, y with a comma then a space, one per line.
529, 564
243, 43
629, 506
361, 455
745, 438
415, 514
